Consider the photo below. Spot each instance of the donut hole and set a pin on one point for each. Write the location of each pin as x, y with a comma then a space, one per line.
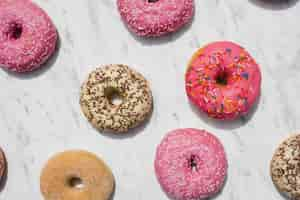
192, 163
152, 1
75, 182
14, 31
222, 78
113, 95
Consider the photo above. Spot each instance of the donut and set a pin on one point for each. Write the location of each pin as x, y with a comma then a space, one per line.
76, 175
116, 82
190, 164
154, 18
285, 167
3, 166
223, 80
27, 36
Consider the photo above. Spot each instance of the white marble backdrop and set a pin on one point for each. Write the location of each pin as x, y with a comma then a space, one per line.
40, 113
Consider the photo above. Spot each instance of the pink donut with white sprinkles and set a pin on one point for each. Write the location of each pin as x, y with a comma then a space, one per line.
27, 36
223, 80
190, 164
154, 18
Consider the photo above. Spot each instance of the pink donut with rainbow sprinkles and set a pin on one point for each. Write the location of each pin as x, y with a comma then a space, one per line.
154, 18
27, 36
191, 164
223, 80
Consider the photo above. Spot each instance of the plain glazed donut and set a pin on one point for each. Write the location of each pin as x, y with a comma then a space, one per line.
27, 36
153, 18
223, 80
190, 164
285, 167
99, 91
76, 175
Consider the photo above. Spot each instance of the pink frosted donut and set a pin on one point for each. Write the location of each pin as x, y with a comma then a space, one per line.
190, 164
223, 80
153, 18
27, 35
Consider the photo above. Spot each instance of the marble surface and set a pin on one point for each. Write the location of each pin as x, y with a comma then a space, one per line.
40, 113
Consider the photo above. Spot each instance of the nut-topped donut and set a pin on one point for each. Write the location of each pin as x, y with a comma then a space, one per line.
116, 98
76, 175
285, 167
3, 165
223, 80
153, 18
27, 35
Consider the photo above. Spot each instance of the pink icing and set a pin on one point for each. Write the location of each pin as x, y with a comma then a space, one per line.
158, 18
243, 76
27, 35
190, 164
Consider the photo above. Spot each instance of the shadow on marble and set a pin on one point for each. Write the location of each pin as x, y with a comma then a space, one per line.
112, 196
43, 69
4, 179
283, 195
163, 39
132, 132
275, 4
230, 124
